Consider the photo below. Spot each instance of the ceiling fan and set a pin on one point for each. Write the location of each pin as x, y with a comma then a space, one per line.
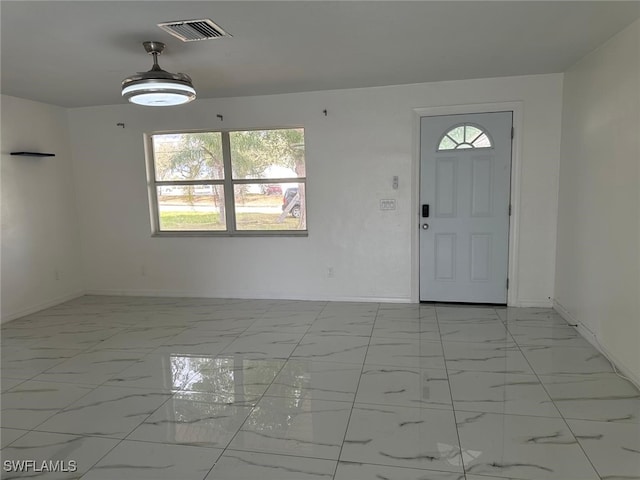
157, 87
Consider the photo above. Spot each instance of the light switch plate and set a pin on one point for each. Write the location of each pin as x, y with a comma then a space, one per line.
388, 204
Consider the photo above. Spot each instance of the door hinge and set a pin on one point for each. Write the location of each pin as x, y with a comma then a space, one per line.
513, 132
507, 284
509, 209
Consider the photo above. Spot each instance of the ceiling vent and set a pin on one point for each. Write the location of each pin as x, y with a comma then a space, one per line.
194, 30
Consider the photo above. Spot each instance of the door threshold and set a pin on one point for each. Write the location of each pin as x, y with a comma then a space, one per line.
461, 304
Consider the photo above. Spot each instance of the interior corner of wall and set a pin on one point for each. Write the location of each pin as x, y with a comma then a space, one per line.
10, 316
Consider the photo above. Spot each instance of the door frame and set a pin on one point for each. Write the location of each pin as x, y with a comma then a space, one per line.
516, 168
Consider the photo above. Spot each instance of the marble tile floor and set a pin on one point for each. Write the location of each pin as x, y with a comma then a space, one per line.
211, 389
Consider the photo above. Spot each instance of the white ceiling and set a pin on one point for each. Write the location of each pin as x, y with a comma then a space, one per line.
76, 53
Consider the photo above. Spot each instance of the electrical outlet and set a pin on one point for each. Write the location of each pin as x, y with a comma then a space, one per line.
143, 271
330, 272
388, 204
56, 274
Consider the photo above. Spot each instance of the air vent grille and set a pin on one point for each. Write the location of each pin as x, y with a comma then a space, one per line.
194, 30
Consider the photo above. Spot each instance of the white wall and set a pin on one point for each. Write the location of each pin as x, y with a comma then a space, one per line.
352, 155
40, 234
598, 258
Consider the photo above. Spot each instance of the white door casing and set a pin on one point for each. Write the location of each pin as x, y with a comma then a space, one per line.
464, 241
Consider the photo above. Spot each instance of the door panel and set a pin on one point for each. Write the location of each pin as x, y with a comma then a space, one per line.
481, 188
445, 187
445, 255
464, 242
480, 257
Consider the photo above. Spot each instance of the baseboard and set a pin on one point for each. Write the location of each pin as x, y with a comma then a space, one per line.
532, 303
569, 318
41, 306
591, 337
245, 296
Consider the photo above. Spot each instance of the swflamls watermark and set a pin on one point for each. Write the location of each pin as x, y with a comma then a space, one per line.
63, 466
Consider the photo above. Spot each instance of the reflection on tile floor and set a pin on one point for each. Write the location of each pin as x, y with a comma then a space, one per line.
132, 388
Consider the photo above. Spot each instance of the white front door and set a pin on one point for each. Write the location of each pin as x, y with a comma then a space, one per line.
465, 178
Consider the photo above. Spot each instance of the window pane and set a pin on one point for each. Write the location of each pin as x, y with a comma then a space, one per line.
464, 136
447, 144
258, 210
471, 133
482, 141
457, 134
191, 207
263, 154
188, 156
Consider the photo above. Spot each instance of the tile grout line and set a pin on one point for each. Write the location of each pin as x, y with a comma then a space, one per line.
550, 397
126, 436
173, 394
224, 450
453, 407
146, 418
95, 387
355, 394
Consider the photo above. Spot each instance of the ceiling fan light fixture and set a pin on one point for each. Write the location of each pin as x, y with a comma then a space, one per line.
157, 87
158, 93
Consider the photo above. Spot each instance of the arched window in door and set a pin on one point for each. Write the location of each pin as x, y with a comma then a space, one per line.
464, 136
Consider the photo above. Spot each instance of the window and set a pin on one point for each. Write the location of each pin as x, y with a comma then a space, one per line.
464, 136
228, 183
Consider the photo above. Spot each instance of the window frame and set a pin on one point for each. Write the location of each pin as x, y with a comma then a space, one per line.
228, 183
464, 125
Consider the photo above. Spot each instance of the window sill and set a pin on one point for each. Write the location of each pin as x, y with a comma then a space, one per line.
247, 233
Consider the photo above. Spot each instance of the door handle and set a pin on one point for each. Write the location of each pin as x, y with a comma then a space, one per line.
425, 226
